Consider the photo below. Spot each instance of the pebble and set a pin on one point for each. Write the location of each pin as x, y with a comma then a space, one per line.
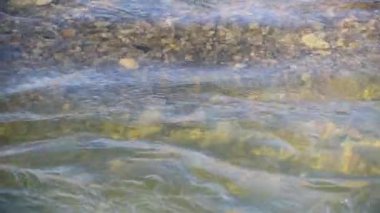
68, 33
129, 63
314, 42
150, 116
116, 165
43, 2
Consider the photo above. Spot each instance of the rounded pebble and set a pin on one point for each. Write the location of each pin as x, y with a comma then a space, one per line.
129, 63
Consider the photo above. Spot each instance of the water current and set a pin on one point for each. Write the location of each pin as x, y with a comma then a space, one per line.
281, 115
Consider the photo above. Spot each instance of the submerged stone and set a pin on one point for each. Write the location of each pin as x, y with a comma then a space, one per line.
43, 2
314, 42
129, 63
24, 3
68, 33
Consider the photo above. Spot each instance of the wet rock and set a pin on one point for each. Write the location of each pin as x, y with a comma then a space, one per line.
150, 116
43, 2
68, 33
116, 165
21, 3
129, 63
101, 24
47, 33
371, 5
24, 3
144, 131
143, 48
314, 41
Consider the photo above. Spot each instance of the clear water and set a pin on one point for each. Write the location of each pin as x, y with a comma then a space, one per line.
200, 138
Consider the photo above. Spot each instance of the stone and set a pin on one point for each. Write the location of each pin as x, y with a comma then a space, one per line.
314, 42
66, 107
20, 3
68, 33
150, 116
42, 2
129, 63
116, 165
101, 24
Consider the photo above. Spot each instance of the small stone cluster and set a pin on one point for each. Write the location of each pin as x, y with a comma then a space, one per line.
129, 41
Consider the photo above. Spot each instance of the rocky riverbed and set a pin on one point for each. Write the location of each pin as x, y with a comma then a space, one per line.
49, 34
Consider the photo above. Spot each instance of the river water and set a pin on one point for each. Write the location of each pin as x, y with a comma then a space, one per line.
292, 126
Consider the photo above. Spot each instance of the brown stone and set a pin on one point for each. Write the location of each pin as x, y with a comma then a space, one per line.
129, 63
68, 33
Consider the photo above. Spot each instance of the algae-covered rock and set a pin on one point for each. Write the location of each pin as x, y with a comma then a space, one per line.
314, 41
114, 130
21, 3
231, 187
331, 186
150, 116
144, 131
371, 92
360, 157
116, 165
24, 3
42, 2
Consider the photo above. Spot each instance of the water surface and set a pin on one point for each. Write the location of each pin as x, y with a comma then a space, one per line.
279, 133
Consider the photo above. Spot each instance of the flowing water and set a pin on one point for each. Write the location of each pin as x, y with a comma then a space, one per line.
295, 128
